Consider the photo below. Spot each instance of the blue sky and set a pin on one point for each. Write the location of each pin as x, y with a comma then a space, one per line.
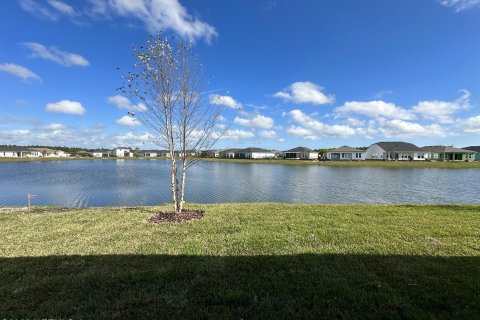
310, 73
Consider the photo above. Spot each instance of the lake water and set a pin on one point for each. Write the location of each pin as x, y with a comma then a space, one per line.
89, 183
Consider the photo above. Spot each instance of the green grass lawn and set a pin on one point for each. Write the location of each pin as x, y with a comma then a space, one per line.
367, 163
243, 261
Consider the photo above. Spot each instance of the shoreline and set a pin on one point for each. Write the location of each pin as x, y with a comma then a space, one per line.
363, 163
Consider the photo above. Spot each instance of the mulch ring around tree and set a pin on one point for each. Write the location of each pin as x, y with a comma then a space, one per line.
172, 217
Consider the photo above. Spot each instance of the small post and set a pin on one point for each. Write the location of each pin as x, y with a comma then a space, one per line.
28, 201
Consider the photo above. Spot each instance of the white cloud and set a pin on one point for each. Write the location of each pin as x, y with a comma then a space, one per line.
122, 102
313, 129
130, 139
355, 122
154, 15
159, 15
55, 126
37, 9
255, 121
62, 7
400, 128
443, 110
379, 95
237, 134
305, 92
459, 5
66, 106
19, 71
471, 125
128, 121
227, 101
63, 58
7, 136
375, 109
269, 134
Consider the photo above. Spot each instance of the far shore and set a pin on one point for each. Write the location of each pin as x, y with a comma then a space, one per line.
363, 163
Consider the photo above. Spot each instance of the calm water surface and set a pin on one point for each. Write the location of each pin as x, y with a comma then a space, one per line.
146, 182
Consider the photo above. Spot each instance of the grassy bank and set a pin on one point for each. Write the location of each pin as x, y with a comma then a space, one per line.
385, 164
243, 261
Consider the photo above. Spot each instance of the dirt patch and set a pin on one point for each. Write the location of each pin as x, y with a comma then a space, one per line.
172, 217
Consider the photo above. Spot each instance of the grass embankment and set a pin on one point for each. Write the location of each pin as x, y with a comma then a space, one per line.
243, 261
367, 163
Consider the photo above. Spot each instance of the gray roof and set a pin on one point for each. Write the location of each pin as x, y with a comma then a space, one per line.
473, 148
252, 149
299, 149
232, 150
445, 149
44, 149
16, 149
346, 149
398, 146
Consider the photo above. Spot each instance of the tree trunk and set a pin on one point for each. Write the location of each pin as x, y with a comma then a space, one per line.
184, 175
173, 185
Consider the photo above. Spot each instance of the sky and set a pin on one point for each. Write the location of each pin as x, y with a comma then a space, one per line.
288, 73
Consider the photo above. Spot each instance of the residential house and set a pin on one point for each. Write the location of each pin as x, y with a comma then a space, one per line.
100, 154
147, 153
254, 153
229, 153
210, 153
189, 153
447, 153
50, 153
402, 151
18, 152
476, 149
300, 153
346, 153
122, 152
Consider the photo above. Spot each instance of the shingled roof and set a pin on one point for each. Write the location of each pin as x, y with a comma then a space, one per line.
346, 149
446, 149
473, 148
299, 149
15, 149
398, 146
252, 149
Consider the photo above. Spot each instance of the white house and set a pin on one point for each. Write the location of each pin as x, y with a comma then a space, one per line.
122, 152
401, 151
346, 153
229, 153
301, 153
18, 152
254, 153
448, 153
100, 154
148, 153
50, 153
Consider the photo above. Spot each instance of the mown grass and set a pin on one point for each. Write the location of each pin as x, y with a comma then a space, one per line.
367, 163
248, 261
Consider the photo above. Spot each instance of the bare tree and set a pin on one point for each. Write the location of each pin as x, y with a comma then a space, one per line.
167, 80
